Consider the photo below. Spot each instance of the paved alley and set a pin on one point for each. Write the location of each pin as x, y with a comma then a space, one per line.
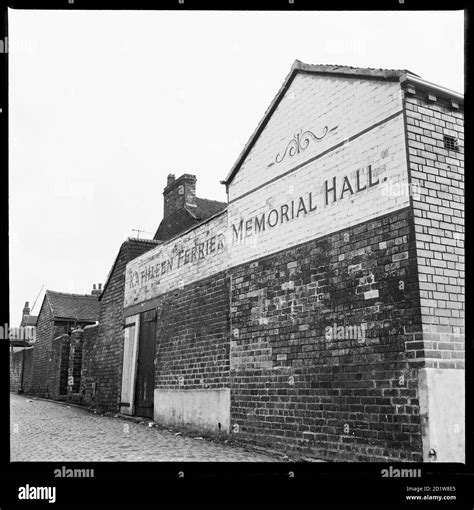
49, 431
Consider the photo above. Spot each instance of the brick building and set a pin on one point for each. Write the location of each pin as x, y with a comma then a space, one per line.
322, 310
59, 314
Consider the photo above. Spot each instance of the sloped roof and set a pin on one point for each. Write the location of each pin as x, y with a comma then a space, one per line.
80, 307
175, 223
206, 208
29, 320
363, 72
187, 217
323, 69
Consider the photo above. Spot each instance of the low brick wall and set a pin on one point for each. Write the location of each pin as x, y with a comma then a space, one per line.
20, 370
88, 379
16, 368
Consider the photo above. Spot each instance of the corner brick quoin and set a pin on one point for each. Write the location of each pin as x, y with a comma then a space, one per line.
337, 331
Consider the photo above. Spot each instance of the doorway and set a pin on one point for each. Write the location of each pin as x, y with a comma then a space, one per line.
145, 378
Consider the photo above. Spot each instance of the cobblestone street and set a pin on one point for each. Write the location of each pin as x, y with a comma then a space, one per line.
49, 431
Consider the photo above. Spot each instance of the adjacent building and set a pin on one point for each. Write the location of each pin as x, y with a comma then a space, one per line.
59, 315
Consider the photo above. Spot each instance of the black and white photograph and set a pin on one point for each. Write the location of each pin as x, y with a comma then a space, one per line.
236, 236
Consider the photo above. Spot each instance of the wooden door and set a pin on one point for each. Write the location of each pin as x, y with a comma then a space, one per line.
145, 385
130, 348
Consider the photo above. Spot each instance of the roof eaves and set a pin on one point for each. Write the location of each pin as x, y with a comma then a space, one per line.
139, 240
427, 85
77, 319
362, 72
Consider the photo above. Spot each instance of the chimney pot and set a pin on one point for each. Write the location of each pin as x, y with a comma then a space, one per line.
100, 286
171, 179
96, 291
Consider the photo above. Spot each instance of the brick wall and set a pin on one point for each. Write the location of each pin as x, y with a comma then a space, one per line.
42, 350
21, 361
294, 385
437, 180
192, 333
16, 368
105, 360
58, 367
88, 380
28, 369
43, 366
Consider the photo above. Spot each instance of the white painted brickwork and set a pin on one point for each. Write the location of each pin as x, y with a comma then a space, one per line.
383, 148
311, 103
195, 255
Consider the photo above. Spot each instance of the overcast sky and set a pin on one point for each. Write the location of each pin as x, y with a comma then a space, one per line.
103, 105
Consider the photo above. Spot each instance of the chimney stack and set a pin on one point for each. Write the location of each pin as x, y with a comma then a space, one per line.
26, 309
179, 193
96, 291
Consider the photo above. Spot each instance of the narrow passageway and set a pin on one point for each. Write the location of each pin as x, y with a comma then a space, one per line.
49, 431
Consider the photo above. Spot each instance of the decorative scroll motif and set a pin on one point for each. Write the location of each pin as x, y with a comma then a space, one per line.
300, 142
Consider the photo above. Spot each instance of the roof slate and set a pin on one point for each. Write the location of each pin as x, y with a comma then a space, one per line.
29, 320
206, 208
80, 307
189, 216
